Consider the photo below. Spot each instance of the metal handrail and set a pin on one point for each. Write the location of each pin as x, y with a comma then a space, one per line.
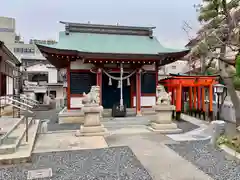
26, 120
21, 103
29, 99
24, 100
21, 108
21, 97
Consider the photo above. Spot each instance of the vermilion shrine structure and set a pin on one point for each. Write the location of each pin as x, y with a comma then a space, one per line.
191, 89
93, 55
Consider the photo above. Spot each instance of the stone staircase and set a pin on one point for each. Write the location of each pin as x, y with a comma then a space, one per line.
131, 112
13, 145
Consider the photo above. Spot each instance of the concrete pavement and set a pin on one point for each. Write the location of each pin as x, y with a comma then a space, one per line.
161, 162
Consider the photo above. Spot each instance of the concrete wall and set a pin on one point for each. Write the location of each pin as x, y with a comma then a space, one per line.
25, 51
59, 91
7, 30
52, 75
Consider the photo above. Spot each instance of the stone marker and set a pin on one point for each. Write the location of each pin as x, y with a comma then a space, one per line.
39, 174
44, 126
216, 129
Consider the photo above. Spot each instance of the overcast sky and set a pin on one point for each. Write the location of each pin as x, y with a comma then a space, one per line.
40, 18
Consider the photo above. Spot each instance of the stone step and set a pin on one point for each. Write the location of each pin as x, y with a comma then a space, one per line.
42, 107
130, 112
24, 151
8, 126
12, 141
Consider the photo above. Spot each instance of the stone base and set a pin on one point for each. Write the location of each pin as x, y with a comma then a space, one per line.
165, 128
92, 131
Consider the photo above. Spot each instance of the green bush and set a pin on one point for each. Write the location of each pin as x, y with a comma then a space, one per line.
233, 142
236, 82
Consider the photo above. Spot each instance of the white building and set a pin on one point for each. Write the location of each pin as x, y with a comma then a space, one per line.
43, 79
34, 65
177, 67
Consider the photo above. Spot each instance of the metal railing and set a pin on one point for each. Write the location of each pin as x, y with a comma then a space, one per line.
22, 102
26, 109
30, 100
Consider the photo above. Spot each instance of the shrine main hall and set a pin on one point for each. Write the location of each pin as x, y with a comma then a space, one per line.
94, 54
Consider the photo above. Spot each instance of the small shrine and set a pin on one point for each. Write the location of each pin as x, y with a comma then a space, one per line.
122, 60
192, 91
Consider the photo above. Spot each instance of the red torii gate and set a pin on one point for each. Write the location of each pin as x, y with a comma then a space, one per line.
193, 87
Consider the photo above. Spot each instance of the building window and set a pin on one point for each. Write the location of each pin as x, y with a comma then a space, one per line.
53, 94
24, 50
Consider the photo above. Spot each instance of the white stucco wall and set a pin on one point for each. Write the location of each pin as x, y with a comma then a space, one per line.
78, 64
52, 75
59, 91
145, 101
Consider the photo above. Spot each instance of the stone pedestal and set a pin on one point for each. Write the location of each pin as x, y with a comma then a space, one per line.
92, 125
216, 129
163, 122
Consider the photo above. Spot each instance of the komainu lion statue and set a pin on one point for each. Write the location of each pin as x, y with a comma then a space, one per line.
162, 96
92, 97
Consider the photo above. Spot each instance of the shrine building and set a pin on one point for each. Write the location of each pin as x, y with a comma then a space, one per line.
93, 55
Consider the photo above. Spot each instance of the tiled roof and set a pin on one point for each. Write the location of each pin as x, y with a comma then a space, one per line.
110, 43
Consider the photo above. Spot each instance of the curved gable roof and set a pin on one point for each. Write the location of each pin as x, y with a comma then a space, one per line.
111, 43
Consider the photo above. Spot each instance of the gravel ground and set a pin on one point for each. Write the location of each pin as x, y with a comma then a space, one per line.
186, 126
210, 160
118, 163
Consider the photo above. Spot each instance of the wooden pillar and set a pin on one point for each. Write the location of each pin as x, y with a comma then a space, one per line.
68, 88
156, 71
173, 100
210, 111
0, 89
195, 100
178, 102
203, 103
99, 83
173, 96
199, 101
190, 100
138, 93
183, 99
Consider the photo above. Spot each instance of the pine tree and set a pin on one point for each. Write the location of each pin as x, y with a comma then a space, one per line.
220, 31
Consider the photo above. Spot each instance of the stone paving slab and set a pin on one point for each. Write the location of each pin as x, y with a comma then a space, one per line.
118, 163
6, 123
129, 130
63, 141
160, 161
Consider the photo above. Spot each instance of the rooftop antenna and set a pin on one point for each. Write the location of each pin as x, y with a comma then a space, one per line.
89, 22
117, 24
